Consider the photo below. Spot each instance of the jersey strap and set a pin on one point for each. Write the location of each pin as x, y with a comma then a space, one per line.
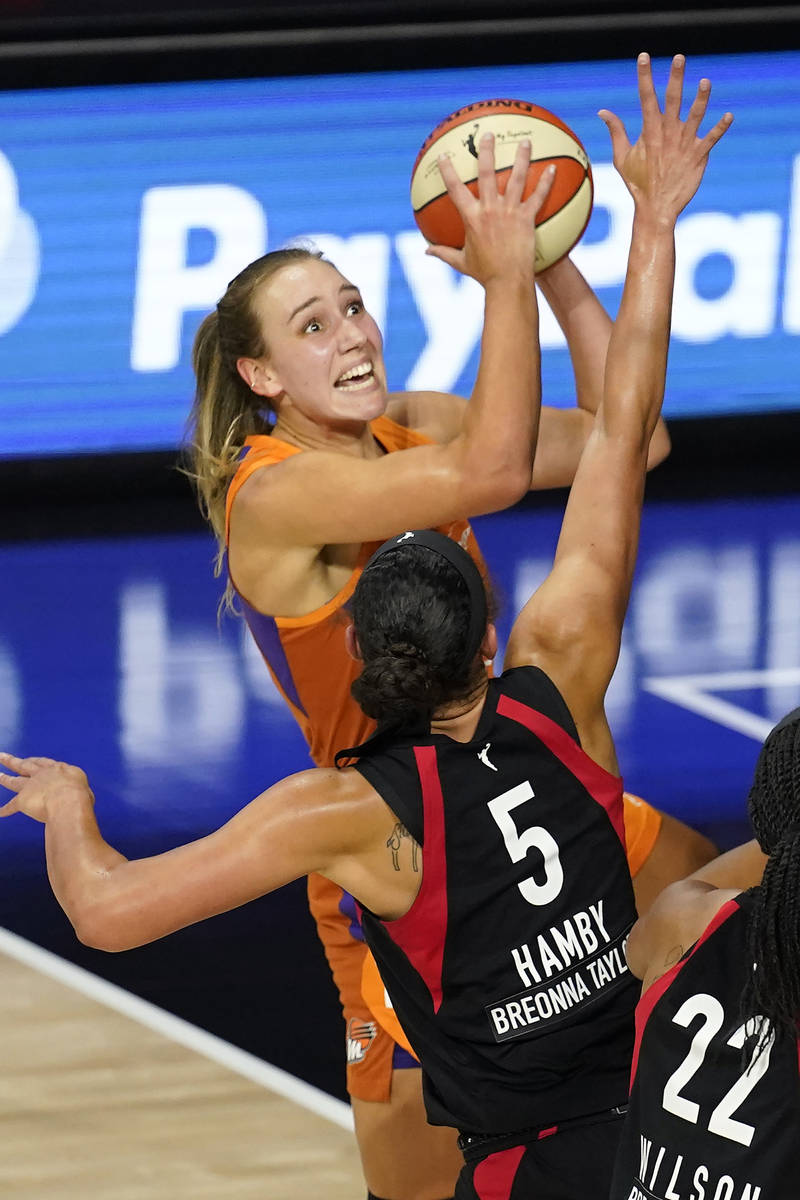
420, 933
604, 787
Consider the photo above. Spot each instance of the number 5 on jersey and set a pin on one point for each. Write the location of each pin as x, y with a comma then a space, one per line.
519, 843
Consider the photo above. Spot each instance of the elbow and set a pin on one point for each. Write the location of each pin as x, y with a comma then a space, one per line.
660, 446
482, 480
495, 490
94, 928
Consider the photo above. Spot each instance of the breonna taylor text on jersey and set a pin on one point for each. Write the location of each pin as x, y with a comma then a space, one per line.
709, 1119
508, 972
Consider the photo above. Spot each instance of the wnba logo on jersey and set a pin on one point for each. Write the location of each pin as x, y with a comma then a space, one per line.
19, 251
360, 1036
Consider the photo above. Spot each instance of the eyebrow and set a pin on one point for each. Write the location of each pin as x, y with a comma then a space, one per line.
346, 287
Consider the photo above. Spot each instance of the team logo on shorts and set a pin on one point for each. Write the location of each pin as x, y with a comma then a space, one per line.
360, 1036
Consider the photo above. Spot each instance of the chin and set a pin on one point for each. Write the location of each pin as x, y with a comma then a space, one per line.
365, 408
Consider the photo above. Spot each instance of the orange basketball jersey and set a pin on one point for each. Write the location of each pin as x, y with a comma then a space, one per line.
306, 656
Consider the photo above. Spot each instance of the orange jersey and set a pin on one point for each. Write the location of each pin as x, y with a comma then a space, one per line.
306, 656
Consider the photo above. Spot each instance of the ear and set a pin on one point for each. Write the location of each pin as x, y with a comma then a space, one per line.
488, 646
351, 643
259, 377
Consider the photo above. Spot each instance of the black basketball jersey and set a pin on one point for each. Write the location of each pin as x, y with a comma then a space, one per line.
708, 1119
508, 973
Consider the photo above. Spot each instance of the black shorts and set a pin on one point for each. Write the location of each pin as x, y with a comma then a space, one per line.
575, 1161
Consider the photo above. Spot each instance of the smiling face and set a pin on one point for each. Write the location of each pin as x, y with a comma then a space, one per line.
324, 358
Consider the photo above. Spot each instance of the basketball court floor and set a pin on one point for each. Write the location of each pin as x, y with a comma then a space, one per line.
210, 1064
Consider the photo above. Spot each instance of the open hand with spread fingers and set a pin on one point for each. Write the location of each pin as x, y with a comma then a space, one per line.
500, 226
663, 168
39, 783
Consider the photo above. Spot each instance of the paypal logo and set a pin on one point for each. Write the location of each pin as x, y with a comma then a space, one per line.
19, 251
150, 199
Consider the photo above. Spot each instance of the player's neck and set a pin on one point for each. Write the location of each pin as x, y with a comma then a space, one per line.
354, 438
459, 720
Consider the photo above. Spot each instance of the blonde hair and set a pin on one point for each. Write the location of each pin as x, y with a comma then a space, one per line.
225, 411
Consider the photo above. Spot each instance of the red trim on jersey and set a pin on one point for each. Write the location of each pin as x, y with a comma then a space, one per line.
601, 785
651, 997
494, 1177
543, 1133
420, 932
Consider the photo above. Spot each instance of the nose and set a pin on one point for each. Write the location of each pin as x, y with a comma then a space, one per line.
351, 334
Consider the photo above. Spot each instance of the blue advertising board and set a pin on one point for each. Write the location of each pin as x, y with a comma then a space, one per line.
125, 210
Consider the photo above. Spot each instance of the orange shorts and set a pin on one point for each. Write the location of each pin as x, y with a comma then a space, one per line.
372, 1031
369, 1049
642, 827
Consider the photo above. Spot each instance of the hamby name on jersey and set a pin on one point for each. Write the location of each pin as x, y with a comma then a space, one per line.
556, 986
666, 1175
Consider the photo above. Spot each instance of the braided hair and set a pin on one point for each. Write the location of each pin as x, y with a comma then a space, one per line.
773, 988
419, 629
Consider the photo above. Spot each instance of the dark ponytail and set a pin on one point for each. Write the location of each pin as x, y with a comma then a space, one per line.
412, 615
773, 989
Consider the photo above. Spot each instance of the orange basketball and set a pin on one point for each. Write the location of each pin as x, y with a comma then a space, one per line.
566, 211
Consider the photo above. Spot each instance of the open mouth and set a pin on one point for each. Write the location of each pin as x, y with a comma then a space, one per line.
356, 378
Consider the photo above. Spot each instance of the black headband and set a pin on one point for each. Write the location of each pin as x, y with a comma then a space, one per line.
463, 563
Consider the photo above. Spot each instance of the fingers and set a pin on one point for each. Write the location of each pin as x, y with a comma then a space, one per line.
647, 93
712, 137
620, 142
673, 96
487, 180
453, 257
519, 172
699, 106
458, 191
542, 189
23, 766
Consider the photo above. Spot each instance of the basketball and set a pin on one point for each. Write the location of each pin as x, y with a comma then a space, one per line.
565, 213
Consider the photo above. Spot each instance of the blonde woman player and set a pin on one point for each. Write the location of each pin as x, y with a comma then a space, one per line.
305, 462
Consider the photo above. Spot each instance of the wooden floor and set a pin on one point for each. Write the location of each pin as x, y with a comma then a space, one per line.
94, 1104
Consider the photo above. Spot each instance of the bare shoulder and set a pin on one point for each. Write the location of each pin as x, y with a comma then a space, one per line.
276, 571
356, 814
270, 495
674, 923
437, 415
322, 792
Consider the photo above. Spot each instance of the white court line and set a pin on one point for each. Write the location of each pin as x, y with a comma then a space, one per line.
692, 692
180, 1031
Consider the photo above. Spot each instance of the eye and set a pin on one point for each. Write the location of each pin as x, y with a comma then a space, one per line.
312, 326
354, 308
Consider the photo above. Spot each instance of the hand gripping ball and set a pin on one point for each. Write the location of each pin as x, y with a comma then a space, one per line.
566, 211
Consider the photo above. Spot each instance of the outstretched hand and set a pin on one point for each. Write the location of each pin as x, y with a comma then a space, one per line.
38, 783
663, 168
500, 227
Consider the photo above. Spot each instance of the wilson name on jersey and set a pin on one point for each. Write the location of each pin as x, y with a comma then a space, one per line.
508, 973
710, 1119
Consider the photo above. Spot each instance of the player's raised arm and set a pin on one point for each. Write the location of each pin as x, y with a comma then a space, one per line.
327, 498
572, 626
586, 325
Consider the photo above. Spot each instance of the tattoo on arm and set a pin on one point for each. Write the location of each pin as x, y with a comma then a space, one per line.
394, 841
675, 954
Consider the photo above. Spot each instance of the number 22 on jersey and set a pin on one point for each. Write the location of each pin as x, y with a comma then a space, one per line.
721, 1121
